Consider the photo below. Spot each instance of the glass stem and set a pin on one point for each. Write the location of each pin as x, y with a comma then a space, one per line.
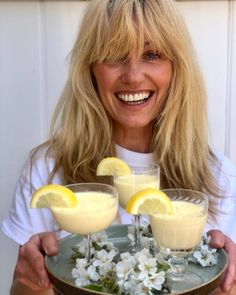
178, 266
88, 248
137, 231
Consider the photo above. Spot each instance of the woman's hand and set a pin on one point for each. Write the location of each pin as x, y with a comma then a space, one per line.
219, 240
30, 270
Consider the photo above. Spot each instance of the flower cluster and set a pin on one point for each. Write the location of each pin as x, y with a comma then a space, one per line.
204, 254
119, 273
143, 273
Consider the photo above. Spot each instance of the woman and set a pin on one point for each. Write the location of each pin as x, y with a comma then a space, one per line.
134, 91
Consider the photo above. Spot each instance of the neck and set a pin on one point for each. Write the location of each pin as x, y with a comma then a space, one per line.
137, 140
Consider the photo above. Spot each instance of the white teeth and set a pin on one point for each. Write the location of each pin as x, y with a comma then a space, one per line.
134, 97
131, 97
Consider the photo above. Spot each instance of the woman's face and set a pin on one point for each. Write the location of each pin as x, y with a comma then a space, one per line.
132, 89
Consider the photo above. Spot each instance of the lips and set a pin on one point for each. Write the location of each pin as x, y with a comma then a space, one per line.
134, 98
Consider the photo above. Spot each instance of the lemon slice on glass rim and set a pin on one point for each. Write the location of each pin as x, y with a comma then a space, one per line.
149, 201
113, 166
53, 195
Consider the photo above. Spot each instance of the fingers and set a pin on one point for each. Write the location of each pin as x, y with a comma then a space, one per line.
230, 276
49, 243
219, 240
30, 269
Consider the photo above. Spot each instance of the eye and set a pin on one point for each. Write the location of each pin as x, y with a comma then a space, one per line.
151, 55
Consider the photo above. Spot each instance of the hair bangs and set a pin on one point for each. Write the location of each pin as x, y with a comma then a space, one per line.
158, 43
126, 26
157, 36
120, 32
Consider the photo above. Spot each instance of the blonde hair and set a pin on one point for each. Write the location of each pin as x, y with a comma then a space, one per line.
81, 132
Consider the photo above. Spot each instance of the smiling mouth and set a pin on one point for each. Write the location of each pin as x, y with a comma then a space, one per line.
134, 98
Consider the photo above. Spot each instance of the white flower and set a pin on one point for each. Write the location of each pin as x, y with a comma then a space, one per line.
127, 256
104, 256
206, 257
84, 275
82, 281
147, 266
105, 268
143, 253
103, 260
123, 270
100, 237
81, 264
127, 287
155, 281
159, 257
82, 246
141, 289
204, 254
146, 242
92, 273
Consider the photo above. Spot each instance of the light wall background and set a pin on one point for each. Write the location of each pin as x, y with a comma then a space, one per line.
36, 37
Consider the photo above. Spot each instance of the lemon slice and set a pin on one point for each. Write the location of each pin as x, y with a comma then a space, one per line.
150, 202
53, 195
113, 166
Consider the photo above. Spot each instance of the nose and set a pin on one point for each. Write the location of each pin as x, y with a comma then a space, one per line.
132, 72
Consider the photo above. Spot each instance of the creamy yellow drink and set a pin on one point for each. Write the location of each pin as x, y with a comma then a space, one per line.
181, 230
94, 212
128, 185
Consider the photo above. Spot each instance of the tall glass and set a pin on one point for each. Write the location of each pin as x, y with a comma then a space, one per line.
96, 210
127, 185
179, 233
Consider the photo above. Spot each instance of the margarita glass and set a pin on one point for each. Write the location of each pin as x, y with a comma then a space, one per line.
127, 185
180, 232
96, 210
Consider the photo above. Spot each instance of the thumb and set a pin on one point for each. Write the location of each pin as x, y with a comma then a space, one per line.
49, 243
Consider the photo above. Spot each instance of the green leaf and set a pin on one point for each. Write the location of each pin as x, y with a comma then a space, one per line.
95, 287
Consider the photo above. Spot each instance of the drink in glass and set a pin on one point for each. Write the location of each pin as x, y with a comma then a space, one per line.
180, 232
96, 210
127, 185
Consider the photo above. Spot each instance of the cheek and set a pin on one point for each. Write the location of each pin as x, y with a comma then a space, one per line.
164, 75
105, 85
105, 78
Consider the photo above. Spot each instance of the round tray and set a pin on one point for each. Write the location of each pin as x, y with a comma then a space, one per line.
59, 267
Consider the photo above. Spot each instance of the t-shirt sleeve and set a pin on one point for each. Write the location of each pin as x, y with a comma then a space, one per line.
21, 221
225, 175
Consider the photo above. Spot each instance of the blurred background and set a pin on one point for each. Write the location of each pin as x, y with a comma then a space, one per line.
35, 39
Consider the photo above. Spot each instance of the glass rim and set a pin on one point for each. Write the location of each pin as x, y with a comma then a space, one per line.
139, 170
183, 189
204, 195
101, 184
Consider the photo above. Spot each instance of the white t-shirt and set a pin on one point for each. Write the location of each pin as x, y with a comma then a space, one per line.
22, 221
